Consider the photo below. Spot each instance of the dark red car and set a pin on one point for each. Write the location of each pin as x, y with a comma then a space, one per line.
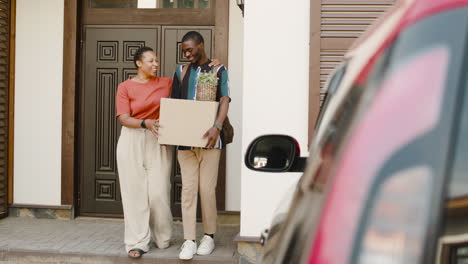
387, 178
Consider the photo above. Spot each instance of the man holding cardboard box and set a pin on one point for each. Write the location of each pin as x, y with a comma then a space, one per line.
199, 166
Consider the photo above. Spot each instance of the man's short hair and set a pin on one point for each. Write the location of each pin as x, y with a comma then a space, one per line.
193, 35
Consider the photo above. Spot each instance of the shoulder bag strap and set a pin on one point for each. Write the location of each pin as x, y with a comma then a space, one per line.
184, 71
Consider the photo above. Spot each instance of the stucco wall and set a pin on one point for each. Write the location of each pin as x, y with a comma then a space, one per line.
38, 102
234, 150
268, 65
275, 97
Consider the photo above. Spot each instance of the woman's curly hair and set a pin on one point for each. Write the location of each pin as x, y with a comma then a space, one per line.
139, 54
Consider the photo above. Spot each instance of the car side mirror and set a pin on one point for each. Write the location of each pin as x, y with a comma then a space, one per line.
274, 153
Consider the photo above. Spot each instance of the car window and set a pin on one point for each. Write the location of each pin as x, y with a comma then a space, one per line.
331, 88
398, 210
395, 212
304, 216
458, 184
402, 205
453, 241
308, 201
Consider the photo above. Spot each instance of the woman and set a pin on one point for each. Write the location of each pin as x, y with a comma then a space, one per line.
144, 165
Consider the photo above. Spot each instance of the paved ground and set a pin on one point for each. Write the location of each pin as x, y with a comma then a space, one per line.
89, 240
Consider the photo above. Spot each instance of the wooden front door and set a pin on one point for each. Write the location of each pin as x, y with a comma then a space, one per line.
108, 60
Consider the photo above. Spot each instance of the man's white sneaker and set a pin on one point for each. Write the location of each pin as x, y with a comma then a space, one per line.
188, 249
206, 246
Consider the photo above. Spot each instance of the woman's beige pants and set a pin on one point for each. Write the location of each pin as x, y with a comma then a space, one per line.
144, 173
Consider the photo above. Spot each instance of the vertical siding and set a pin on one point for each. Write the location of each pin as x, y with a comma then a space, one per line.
342, 22
4, 77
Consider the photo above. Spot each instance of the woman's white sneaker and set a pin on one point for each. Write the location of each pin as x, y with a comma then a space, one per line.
207, 246
188, 249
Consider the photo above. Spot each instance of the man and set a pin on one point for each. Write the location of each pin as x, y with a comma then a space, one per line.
199, 166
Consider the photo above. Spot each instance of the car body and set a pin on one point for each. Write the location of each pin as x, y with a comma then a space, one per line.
385, 180
339, 80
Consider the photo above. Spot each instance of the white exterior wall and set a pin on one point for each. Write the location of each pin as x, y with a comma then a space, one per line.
275, 97
38, 102
235, 67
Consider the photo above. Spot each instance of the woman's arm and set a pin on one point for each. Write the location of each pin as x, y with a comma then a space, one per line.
128, 121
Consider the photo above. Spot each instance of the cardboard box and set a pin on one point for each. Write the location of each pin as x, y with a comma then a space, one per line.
184, 122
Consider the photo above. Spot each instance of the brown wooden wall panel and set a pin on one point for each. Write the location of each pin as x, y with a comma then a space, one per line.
134, 16
348, 19
341, 23
329, 59
4, 86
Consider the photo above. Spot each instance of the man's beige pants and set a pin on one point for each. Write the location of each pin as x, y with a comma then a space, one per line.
199, 169
144, 173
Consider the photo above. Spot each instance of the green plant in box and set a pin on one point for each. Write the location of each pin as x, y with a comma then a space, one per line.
207, 78
206, 86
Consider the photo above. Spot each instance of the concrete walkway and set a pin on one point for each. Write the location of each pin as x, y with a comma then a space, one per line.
91, 240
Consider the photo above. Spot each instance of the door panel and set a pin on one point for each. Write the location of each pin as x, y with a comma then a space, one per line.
108, 60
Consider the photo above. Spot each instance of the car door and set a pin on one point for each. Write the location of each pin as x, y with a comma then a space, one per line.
376, 195
450, 242
413, 103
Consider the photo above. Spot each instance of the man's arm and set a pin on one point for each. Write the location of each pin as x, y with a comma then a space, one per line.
223, 110
223, 85
213, 133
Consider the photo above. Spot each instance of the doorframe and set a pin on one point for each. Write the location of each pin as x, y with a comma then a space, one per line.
158, 16
11, 100
70, 73
71, 76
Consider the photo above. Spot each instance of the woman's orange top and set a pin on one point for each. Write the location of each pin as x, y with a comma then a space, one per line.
142, 100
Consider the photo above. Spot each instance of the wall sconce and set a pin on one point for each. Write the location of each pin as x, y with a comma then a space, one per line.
240, 3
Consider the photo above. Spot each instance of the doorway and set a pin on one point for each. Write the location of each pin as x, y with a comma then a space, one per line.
106, 60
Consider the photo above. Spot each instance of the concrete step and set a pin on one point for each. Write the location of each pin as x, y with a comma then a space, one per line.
43, 257
96, 240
